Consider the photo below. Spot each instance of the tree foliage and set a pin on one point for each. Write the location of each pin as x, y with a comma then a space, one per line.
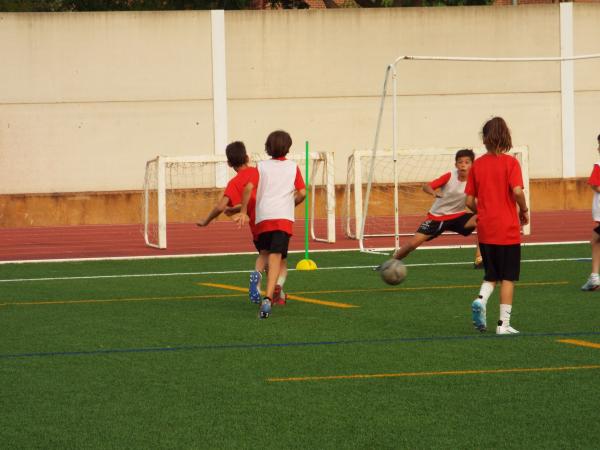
162, 5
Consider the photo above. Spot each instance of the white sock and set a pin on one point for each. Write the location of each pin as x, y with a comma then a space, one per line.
486, 290
281, 280
594, 276
505, 314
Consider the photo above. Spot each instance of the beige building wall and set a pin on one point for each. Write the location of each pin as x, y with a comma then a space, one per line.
86, 99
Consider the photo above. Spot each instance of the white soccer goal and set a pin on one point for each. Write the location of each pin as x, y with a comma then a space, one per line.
175, 186
363, 196
396, 204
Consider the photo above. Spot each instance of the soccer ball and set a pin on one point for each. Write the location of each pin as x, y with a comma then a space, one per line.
393, 271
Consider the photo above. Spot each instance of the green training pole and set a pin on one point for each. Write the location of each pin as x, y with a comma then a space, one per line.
306, 205
306, 264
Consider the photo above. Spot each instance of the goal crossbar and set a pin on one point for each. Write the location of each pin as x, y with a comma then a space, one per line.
155, 190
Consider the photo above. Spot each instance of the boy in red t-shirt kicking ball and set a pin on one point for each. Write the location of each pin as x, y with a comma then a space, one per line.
279, 188
593, 282
494, 189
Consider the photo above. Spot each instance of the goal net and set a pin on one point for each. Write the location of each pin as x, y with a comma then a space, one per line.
183, 189
394, 204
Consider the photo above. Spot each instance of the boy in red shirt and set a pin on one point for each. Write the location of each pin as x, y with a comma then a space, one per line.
237, 159
279, 188
447, 213
593, 282
494, 189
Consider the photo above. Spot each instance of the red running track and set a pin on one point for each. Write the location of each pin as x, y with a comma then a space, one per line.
103, 241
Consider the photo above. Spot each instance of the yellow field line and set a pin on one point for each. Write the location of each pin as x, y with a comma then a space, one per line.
427, 288
291, 297
580, 343
430, 374
111, 300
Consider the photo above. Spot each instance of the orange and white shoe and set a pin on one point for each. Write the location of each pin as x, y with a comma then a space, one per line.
279, 297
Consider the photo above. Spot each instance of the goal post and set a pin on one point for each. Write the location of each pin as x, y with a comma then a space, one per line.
362, 195
396, 205
174, 185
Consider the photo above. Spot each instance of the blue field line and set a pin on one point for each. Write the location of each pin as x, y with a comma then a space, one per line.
294, 344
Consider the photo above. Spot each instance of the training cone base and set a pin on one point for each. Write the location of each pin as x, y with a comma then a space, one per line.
306, 264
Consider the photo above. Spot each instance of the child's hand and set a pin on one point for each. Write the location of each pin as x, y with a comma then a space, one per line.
524, 217
241, 219
202, 223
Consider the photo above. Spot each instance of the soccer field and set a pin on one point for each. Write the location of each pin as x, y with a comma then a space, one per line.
169, 353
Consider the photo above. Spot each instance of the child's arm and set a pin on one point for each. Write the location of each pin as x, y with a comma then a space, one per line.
299, 196
522, 202
471, 203
231, 210
595, 188
242, 218
429, 190
216, 211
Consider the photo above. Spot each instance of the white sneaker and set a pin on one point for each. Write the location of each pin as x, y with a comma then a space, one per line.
505, 329
591, 285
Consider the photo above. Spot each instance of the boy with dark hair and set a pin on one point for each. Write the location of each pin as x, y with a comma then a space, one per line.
279, 188
494, 190
237, 159
593, 282
448, 211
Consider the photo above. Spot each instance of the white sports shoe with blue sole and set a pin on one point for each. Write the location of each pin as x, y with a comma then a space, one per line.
478, 315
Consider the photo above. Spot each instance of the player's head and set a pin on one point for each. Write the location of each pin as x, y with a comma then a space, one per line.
463, 160
496, 136
236, 154
278, 144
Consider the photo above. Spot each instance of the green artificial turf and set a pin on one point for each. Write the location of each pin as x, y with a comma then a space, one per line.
141, 354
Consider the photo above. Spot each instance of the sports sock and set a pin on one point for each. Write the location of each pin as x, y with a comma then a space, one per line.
281, 280
486, 290
504, 314
594, 276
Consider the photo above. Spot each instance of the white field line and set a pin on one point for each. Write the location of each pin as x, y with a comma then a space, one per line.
203, 255
225, 272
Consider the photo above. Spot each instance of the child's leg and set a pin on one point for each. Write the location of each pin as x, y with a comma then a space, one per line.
256, 276
273, 273
411, 245
279, 297
507, 290
593, 282
283, 270
595, 252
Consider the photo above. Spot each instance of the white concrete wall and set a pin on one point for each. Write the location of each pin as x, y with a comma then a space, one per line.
86, 99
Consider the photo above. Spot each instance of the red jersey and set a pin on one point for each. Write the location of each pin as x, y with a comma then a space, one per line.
594, 180
284, 225
491, 180
234, 191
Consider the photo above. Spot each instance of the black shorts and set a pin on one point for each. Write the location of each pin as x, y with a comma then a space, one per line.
501, 262
433, 228
273, 242
597, 229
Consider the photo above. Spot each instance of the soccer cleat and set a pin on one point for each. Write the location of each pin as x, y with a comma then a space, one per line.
253, 290
505, 329
279, 299
265, 309
478, 315
478, 264
591, 284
